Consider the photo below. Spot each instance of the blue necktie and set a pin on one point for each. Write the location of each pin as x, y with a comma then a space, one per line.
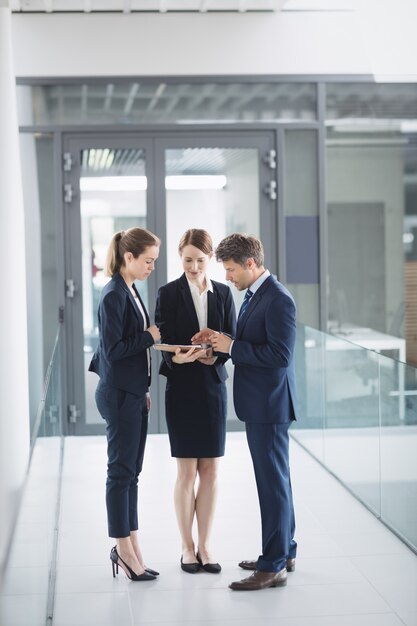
245, 303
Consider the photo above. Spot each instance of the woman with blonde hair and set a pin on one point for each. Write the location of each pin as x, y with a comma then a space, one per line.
122, 361
195, 397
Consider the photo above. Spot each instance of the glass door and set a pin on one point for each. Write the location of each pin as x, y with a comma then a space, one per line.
221, 184
107, 191
167, 183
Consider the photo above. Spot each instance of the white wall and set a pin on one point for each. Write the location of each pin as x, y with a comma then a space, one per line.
99, 44
378, 37
14, 396
388, 30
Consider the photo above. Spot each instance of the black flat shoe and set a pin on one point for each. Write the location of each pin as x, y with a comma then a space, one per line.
211, 568
190, 568
116, 559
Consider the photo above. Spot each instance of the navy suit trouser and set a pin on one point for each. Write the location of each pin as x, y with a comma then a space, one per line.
126, 416
268, 445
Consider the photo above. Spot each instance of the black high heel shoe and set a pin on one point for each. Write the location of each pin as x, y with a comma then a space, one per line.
115, 558
211, 568
151, 571
147, 569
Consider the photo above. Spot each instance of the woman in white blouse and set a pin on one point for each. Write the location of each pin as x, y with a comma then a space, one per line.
195, 397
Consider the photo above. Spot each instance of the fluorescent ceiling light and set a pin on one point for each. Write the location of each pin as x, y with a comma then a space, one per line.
409, 126
113, 183
140, 183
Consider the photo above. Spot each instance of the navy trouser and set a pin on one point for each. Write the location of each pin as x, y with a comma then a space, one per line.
268, 445
126, 417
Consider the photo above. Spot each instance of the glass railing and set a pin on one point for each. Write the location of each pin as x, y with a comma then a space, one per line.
28, 578
358, 417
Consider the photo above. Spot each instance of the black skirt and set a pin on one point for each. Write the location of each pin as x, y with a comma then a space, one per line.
195, 405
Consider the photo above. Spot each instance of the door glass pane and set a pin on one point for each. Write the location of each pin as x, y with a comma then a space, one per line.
216, 189
112, 198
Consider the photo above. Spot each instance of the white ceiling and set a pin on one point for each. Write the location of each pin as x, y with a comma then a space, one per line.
164, 6
161, 6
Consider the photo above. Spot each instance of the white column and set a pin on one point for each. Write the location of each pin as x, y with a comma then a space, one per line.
14, 395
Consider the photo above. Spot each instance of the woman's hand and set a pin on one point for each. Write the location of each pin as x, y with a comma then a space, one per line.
148, 401
154, 331
188, 357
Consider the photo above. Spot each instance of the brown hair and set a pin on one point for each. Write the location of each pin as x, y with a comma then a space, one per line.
196, 237
240, 247
134, 240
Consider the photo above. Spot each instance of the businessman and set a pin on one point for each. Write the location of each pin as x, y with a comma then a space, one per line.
264, 398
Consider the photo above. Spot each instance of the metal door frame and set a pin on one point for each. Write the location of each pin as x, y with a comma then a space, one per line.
154, 143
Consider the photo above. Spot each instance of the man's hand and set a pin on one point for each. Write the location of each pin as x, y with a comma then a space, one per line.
148, 401
202, 336
220, 342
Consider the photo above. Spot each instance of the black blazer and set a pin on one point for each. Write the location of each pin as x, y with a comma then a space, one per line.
176, 317
120, 359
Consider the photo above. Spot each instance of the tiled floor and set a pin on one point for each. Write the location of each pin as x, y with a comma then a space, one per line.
351, 571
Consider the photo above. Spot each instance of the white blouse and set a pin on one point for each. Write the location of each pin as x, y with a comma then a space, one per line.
140, 307
200, 301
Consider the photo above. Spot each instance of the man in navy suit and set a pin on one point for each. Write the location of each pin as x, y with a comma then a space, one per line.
264, 398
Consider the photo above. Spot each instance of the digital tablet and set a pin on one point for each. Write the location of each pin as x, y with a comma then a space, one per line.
171, 347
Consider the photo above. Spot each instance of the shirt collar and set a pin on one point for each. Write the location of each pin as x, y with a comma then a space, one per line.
258, 282
209, 286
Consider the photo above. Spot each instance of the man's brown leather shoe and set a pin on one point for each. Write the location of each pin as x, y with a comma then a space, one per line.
251, 565
261, 580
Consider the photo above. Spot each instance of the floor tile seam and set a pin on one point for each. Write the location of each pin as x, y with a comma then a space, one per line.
383, 534
120, 592
383, 597
131, 614
20, 595
290, 585
238, 620
265, 619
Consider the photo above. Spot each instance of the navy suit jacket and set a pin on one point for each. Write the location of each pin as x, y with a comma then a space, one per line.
263, 355
177, 319
121, 359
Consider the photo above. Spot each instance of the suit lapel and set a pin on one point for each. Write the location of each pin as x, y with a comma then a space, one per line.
255, 300
212, 317
125, 288
189, 304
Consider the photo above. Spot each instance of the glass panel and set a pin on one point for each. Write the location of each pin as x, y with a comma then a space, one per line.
368, 403
113, 197
216, 189
32, 538
301, 200
398, 448
310, 368
301, 172
154, 101
371, 162
352, 418
371, 102
38, 175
